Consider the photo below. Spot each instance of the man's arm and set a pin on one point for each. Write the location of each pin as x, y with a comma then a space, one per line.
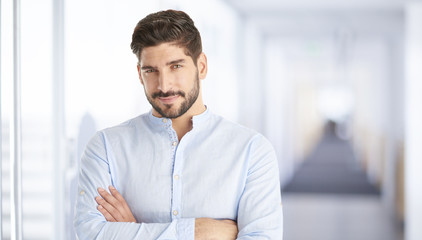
260, 212
113, 206
115, 209
91, 224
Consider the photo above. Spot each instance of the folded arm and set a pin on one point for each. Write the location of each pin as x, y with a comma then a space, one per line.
102, 214
115, 209
260, 212
91, 224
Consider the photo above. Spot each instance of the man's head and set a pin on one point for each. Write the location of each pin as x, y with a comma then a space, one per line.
171, 63
167, 27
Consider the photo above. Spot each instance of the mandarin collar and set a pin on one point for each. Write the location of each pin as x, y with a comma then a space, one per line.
196, 120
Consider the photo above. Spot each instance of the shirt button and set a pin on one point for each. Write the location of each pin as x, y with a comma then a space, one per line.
164, 120
175, 212
174, 143
176, 177
82, 192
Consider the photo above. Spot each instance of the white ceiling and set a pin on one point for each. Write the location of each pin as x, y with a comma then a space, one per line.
254, 6
313, 17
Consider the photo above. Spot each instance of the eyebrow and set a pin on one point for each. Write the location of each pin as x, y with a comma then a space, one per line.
167, 64
175, 62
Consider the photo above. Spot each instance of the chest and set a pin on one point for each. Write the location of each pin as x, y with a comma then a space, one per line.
198, 180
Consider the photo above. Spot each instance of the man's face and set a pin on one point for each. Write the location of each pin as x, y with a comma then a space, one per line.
170, 79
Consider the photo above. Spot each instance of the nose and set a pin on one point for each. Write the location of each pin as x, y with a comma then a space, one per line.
165, 82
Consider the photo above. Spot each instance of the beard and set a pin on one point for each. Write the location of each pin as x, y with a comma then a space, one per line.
166, 111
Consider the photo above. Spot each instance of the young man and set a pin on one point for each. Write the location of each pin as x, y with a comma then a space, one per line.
179, 171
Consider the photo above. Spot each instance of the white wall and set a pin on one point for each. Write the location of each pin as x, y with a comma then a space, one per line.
413, 134
278, 115
252, 82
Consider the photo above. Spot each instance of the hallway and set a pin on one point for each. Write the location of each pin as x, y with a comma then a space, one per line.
330, 197
331, 168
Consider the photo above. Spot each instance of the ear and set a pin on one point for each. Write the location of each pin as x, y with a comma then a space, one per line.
139, 73
202, 66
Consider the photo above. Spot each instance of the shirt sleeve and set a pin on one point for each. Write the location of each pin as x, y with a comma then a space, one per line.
260, 214
91, 224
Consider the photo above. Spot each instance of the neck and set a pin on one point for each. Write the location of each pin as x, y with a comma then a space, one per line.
183, 124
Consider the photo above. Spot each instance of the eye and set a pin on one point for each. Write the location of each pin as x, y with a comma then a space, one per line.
150, 70
177, 66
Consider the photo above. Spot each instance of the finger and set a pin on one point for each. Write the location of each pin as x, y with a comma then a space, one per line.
106, 214
115, 213
103, 193
110, 199
116, 194
119, 197
125, 210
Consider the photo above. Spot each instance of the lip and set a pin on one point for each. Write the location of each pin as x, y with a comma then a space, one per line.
168, 100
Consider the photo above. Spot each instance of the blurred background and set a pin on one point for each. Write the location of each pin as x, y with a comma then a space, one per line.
334, 85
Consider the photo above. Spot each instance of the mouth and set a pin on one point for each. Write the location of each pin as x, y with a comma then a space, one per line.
168, 100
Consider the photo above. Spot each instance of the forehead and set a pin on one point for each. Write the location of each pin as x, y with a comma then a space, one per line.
162, 54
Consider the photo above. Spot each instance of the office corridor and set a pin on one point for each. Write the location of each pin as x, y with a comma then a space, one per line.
331, 168
330, 198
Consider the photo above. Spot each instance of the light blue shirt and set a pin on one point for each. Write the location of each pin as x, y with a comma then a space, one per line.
218, 170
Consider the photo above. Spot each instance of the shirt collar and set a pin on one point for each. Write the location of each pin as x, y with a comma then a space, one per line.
196, 120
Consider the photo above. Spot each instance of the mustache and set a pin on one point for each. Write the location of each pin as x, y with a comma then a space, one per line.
168, 94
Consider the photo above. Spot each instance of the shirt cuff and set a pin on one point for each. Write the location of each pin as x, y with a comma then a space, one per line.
186, 228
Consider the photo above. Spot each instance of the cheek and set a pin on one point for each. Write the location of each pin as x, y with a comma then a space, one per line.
186, 79
148, 88
149, 81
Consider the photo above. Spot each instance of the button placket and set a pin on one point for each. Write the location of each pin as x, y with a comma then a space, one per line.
176, 183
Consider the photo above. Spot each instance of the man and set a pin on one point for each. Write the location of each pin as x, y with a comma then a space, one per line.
179, 171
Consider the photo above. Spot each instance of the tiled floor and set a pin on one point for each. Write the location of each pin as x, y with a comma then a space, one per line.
337, 217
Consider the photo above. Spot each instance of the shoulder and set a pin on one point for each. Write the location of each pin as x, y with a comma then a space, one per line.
255, 146
235, 131
127, 127
126, 130
230, 126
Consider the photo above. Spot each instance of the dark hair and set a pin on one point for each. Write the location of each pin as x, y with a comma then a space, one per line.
167, 26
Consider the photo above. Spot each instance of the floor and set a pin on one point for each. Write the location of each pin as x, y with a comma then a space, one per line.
331, 168
330, 198
336, 217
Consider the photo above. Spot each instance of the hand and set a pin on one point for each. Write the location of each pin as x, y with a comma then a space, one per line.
208, 228
113, 206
